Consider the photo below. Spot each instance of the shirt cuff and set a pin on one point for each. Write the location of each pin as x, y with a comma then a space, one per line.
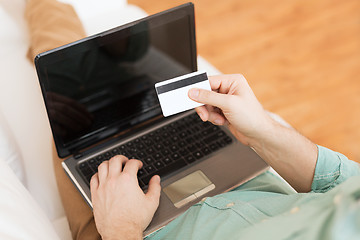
332, 168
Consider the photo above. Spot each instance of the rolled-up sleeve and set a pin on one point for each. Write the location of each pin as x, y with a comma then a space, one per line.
332, 168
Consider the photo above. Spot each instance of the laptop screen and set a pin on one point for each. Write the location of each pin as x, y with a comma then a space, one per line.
104, 84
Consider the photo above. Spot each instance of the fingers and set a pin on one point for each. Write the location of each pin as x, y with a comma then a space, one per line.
221, 97
94, 185
216, 118
103, 171
215, 82
154, 189
115, 164
132, 166
227, 84
208, 97
203, 113
111, 168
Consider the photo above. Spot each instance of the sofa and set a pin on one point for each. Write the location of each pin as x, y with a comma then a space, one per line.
30, 206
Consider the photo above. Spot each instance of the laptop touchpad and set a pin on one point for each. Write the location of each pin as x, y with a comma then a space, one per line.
188, 188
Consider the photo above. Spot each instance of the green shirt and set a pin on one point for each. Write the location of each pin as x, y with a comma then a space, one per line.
267, 208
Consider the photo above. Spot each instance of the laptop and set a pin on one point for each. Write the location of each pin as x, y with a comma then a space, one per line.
101, 101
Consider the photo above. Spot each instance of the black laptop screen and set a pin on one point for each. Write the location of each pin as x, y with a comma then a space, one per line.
104, 84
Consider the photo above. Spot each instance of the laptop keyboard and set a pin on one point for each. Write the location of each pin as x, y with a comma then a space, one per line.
165, 150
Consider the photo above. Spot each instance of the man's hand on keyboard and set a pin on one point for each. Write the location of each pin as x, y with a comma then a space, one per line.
121, 209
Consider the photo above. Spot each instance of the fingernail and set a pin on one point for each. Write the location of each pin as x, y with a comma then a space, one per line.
217, 121
194, 93
201, 116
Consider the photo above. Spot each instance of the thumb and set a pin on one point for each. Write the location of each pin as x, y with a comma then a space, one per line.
208, 97
154, 188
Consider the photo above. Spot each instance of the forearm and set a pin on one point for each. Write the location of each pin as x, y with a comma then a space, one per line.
292, 155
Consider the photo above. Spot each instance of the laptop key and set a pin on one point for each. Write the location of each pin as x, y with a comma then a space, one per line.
182, 144
205, 132
165, 152
122, 147
192, 148
175, 156
167, 160
184, 152
207, 124
166, 143
183, 135
199, 144
214, 147
86, 170
214, 128
150, 168
141, 173
159, 164
124, 153
228, 139
166, 170
141, 184
141, 155
149, 160
189, 140
158, 156
92, 161
190, 159
140, 146
214, 137
148, 142
221, 143
206, 150
198, 155
158, 146
165, 135
83, 165
107, 155
174, 148
150, 151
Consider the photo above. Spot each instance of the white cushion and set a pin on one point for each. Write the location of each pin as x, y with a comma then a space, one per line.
9, 150
21, 103
92, 8
21, 217
111, 18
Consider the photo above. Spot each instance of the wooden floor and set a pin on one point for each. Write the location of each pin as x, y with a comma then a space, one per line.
301, 57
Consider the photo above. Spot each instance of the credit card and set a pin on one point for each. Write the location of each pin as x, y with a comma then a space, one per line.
173, 93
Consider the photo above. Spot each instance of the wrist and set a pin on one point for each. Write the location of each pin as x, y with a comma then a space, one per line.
268, 131
124, 231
